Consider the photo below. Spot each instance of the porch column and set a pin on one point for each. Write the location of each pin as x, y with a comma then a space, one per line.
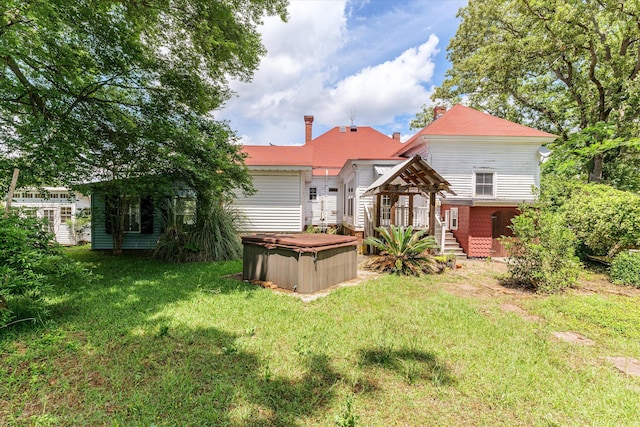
376, 221
392, 214
432, 214
411, 209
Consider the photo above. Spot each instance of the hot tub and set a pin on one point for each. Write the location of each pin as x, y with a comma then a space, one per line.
303, 263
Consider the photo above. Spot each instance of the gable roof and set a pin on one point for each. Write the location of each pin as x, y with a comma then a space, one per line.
465, 121
282, 155
328, 151
334, 147
412, 175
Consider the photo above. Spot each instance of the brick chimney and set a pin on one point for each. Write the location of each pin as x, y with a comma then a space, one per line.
438, 111
308, 125
396, 136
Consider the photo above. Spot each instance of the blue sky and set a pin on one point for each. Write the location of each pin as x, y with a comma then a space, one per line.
375, 60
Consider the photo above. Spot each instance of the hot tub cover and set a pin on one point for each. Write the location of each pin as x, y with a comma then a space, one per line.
303, 242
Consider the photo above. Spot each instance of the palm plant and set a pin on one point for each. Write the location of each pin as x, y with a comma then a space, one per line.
402, 251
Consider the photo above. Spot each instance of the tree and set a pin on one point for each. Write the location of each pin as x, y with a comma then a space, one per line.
562, 66
85, 82
123, 92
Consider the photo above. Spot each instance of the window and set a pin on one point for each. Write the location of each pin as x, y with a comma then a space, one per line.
185, 210
313, 193
385, 208
350, 201
484, 184
333, 190
131, 212
49, 216
453, 218
65, 214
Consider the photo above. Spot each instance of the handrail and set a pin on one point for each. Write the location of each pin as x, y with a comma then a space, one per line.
440, 235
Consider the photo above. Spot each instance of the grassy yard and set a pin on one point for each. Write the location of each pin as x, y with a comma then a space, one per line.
181, 345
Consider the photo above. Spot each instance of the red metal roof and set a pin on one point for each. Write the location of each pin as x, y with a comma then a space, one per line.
282, 155
466, 121
333, 148
328, 151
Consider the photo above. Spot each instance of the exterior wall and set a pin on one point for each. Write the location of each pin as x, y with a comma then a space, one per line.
475, 229
102, 240
57, 199
480, 232
515, 164
324, 210
277, 204
363, 175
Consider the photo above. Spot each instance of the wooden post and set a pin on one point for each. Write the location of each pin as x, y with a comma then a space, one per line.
432, 214
12, 187
392, 209
378, 212
411, 209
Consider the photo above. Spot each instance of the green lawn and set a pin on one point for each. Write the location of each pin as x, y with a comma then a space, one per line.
179, 345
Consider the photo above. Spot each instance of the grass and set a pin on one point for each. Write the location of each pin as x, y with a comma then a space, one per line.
180, 345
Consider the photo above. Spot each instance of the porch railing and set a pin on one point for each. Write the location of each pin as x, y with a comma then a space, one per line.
420, 217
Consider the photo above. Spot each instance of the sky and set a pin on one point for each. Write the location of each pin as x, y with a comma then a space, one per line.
367, 62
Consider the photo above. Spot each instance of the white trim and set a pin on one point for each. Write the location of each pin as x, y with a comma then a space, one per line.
453, 219
493, 183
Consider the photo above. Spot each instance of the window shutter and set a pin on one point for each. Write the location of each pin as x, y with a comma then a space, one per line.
109, 207
146, 215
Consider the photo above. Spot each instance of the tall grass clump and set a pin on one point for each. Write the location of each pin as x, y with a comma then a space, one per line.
212, 236
402, 251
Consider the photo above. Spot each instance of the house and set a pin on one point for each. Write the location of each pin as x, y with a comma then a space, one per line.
141, 225
67, 214
316, 184
490, 166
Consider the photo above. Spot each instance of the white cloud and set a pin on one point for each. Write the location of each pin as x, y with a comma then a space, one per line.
323, 64
378, 94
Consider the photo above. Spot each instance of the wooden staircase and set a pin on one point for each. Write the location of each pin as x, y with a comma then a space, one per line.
451, 245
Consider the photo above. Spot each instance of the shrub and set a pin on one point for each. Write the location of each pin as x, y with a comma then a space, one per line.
604, 219
541, 253
625, 269
31, 264
213, 238
402, 251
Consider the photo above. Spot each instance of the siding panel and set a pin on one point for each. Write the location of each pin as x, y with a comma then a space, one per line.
276, 205
515, 165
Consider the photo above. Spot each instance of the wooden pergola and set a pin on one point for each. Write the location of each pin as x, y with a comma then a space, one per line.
410, 178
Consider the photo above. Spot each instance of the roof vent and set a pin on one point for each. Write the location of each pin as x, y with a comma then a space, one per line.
354, 128
343, 129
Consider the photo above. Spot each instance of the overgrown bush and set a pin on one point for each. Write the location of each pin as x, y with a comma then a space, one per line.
541, 252
402, 251
31, 263
605, 220
625, 269
212, 238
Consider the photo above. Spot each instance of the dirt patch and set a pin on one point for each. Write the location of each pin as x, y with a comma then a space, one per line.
511, 308
627, 365
574, 338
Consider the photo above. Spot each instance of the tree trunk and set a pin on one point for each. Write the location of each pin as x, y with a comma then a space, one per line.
596, 171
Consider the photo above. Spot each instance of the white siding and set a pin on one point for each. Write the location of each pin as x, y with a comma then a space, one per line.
366, 177
276, 205
515, 165
324, 210
51, 206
